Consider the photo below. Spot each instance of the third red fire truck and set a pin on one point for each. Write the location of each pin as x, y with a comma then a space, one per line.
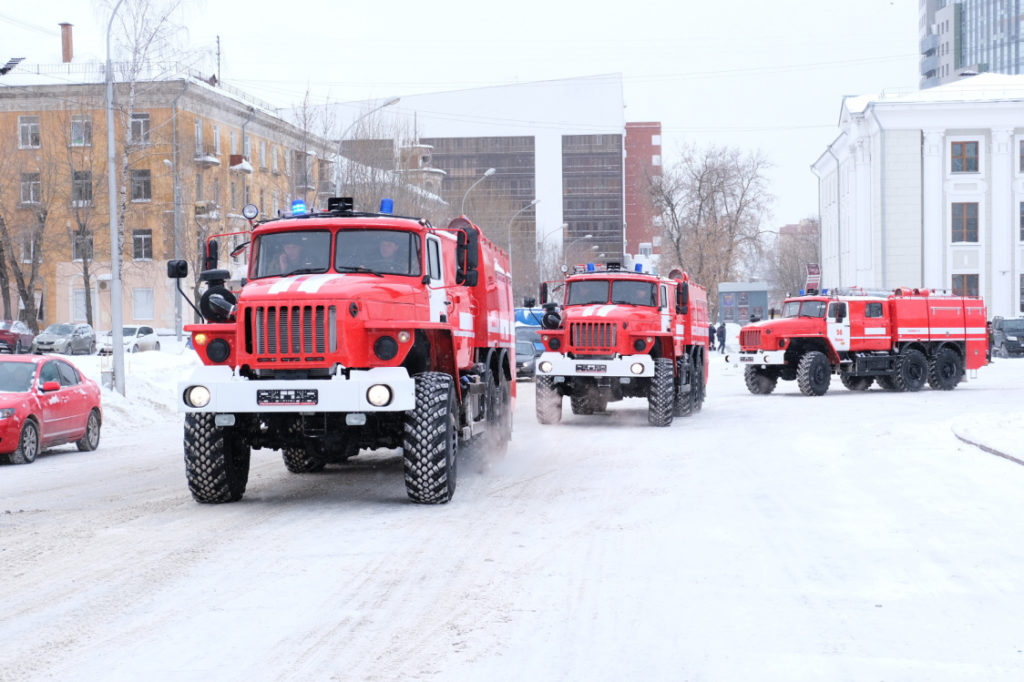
900, 340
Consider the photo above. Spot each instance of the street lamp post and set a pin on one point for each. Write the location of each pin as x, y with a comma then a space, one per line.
116, 331
509, 229
567, 247
487, 173
344, 135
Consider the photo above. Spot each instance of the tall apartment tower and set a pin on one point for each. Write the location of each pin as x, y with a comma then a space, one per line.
960, 38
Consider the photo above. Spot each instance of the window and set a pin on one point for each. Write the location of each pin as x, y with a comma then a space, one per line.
434, 259
656, 160
873, 310
142, 188
965, 222
273, 160
965, 157
234, 142
142, 303
216, 139
1022, 293
655, 140
81, 247
1022, 221
31, 188
142, 244
28, 248
199, 136
81, 131
263, 153
78, 305
140, 129
199, 187
68, 375
1021, 157
81, 188
246, 147
28, 132
965, 285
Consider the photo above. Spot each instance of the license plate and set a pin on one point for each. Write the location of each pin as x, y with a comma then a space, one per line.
287, 396
591, 369
747, 358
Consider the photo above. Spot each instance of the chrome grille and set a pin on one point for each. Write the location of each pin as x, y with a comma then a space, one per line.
291, 330
592, 336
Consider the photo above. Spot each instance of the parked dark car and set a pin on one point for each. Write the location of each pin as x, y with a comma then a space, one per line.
526, 359
531, 334
15, 337
67, 338
1007, 336
46, 402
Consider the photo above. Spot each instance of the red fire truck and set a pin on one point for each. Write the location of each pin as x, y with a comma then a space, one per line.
622, 334
900, 340
352, 330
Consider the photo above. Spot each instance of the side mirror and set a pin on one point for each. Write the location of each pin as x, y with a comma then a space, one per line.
468, 255
211, 260
543, 292
683, 298
50, 386
177, 269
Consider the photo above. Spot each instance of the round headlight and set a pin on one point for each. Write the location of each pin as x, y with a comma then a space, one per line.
404, 336
555, 343
639, 345
218, 350
637, 368
385, 347
545, 366
378, 395
197, 396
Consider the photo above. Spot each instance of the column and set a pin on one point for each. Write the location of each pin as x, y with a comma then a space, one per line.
933, 212
999, 235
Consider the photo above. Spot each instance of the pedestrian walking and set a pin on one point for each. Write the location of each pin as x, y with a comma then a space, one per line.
711, 336
721, 337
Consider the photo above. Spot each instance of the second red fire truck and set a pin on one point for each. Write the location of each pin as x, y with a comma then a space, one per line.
623, 334
901, 341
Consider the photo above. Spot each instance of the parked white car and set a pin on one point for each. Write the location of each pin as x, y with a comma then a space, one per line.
135, 339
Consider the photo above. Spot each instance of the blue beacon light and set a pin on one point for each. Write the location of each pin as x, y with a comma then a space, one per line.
298, 207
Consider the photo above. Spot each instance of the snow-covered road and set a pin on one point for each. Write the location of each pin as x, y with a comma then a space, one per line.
847, 537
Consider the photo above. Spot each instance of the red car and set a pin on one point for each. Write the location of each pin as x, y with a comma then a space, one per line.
45, 401
15, 336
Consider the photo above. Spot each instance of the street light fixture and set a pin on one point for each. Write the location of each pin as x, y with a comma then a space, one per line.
487, 173
116, 331
344, 135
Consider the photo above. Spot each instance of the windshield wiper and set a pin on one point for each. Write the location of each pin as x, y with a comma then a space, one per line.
357, 268
303, 271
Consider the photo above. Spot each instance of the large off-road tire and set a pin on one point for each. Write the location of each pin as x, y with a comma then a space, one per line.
685, 392
814, 373
549, 401
662, 394
944, 370
856, 383
581, 403
758, 380
886, 383
300, 461
28, 444
431, 440
91, 438
702, 384
216, 460
499, 417
911, 370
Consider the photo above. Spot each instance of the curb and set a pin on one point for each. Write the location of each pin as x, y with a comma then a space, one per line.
988, 449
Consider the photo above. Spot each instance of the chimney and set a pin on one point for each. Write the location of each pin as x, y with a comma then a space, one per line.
66, 47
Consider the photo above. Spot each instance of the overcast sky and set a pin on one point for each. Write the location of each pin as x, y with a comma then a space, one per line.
755, 75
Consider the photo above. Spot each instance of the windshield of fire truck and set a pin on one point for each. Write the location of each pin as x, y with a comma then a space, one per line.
392, 252
804, 309
295, 252
587, 291
634, 293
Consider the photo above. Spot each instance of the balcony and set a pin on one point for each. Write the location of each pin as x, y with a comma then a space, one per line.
206, 157
207, 210
240, 164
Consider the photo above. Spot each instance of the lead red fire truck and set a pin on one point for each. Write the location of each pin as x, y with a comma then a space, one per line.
352, 330
900, 340
622, 334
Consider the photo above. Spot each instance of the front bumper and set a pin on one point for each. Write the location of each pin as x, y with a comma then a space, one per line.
230, 393
558, 365
761, 357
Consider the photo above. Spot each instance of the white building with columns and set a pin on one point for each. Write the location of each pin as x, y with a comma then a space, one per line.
926, 189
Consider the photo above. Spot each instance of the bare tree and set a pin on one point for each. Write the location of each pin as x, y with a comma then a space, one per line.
29, 190
786, 264
712, 204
